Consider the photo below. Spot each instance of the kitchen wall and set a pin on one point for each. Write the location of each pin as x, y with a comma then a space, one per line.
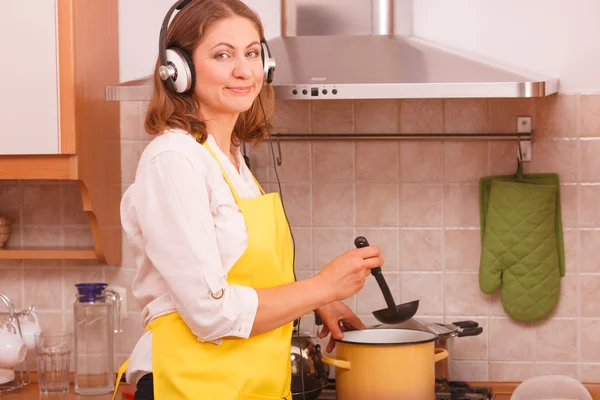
555, 38
552, 37
49, 214
418, 200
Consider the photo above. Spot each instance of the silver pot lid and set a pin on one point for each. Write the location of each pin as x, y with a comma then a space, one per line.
459, 328
388, 337
419, 325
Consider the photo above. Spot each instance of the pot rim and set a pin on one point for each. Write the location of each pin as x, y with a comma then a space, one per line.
433, 338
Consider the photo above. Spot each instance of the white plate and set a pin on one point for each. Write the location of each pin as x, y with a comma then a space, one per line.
6, 375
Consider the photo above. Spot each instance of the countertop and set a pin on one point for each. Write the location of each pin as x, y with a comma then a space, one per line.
30, 392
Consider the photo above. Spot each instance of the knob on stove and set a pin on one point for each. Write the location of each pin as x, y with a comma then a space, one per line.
457, 390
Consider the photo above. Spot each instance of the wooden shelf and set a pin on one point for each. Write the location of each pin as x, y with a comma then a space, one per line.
60, 166
49, 253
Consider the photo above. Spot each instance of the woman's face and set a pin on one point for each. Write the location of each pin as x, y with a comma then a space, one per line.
229, 70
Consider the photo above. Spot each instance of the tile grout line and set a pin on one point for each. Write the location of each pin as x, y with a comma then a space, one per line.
579, 280
354, 188
443, 229
312, 187
489, 297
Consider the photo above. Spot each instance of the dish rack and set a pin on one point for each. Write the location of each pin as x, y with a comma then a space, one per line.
22, 373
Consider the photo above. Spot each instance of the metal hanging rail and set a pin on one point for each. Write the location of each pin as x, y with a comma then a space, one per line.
401, 136
523, 137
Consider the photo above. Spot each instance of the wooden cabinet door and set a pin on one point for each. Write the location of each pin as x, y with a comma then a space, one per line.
29, 95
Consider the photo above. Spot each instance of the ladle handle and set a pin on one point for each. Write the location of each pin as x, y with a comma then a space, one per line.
387, 295
360, 242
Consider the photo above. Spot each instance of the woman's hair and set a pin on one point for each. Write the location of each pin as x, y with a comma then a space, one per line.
171, 110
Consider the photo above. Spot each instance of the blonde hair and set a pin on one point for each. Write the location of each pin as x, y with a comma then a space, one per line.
170, 110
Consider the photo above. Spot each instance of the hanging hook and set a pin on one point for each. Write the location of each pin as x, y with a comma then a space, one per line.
519, 173
279, 157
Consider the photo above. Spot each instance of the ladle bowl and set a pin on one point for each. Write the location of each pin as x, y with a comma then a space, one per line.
393, 314
401, 312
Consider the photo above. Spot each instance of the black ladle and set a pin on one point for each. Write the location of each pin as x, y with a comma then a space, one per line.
393, 314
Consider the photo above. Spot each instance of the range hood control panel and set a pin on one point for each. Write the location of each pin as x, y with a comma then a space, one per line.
309, 91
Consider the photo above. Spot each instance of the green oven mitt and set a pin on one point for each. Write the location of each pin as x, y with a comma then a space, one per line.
522, 247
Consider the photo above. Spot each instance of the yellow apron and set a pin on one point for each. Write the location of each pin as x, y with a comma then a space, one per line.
238, 369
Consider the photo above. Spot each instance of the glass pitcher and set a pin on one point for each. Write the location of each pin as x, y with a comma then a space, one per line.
96, 317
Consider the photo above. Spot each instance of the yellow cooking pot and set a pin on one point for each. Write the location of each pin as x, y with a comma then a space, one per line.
386, 364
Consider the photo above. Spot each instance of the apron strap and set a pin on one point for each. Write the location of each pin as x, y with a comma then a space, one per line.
122, 370
235, 194
149, 327
257, 184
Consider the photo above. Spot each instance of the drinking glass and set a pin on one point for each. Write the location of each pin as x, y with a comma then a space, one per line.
53, 356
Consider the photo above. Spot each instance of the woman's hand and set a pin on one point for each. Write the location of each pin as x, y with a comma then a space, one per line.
340, 279
334, 313
346, 274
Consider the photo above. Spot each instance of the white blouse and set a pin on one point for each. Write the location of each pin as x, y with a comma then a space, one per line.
186, 232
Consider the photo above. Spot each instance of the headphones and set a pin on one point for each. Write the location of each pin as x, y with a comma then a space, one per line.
176, 68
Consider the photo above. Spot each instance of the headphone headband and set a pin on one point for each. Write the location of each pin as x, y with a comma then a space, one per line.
176, 68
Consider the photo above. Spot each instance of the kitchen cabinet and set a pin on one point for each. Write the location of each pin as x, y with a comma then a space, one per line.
30, 87
59, 56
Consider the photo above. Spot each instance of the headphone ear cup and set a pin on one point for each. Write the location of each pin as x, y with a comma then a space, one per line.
185, 78
268, 62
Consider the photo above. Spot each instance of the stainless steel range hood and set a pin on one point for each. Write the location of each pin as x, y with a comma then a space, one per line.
393, 67
329, 50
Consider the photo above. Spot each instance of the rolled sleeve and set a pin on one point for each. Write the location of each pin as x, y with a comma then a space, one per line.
178, 230
241, 325
245, 321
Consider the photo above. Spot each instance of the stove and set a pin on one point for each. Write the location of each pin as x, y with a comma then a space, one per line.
444, 390
456, 390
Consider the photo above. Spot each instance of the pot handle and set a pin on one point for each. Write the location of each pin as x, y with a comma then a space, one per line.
336, 363
440, 354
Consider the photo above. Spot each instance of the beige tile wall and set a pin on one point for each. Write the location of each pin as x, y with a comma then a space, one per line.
418, 200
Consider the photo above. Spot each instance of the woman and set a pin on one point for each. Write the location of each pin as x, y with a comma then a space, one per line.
214, 253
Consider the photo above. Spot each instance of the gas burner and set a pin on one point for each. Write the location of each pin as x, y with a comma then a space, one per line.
456, 390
